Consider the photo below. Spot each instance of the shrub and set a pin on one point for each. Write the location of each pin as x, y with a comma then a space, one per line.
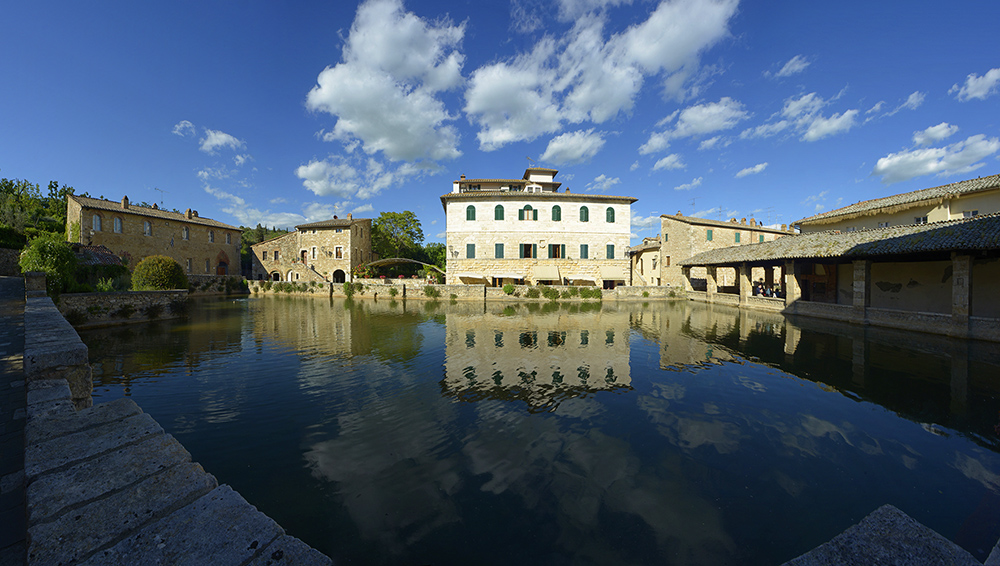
393, 292
550, 293
157, 273
348, 289
49, 253
267, 285
508, 288
454, 296
566, 294
591, 293
671, 294
573, 291
532, 293
152, 311
105, 285
645, 293
431, 292
11, 238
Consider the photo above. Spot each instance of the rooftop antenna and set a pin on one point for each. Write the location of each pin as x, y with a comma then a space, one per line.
693, 199
161, 195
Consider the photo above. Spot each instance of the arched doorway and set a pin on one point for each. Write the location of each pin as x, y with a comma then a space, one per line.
275, 276
222, 269
289, 277
304, 257
339, 276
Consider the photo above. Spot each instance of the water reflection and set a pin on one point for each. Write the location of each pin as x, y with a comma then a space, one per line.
680, 433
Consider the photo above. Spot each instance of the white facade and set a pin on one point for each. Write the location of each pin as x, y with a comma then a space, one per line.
526, 231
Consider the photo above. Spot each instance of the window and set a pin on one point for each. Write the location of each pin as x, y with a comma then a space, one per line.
211, 236
528, 251
527, 213
229, 237
611, 251
737, 237
470, 251
761, 240
883, 224
470, 212
708, 235
275, 255
498, 212
265, 255
556, 213
584, 251
118, 225
338, 252
557, 251
654, 263
96, 224
208, 266
339, 230
498, 251
664, 237
186, 233
584, 214
313, 252
188, 265
970, 213
849, 229
920, 220
609, 215
147, 228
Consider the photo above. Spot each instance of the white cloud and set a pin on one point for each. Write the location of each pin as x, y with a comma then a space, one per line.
688, 186
978, 87
913, 101
794, 65
934, 134
711, 143
672, 161
184, 129
602, 183
815, 198
571, 10
634, 166
643, 222
803, 114
240, 159
765, 130
246, 215
697, 120
752, 170
573, 147
383, 93
365, 208
957, 158
657, 142
878, 107
215, 139
355, 178
821, 127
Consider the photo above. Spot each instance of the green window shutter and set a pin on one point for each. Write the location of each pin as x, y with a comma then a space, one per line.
534, 250
664, 237
520, 251
470, 212
708, 235
584, 214
611, 251
534, 215
584, 251
737, 237
498, 251
470, 251
498, 212
761, 238
520, 214
562, 251
556, 213
610, 215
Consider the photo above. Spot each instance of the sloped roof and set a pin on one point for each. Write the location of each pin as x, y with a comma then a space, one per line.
95, 255
112, 206
695, 221
968, 234
331, 223
523, 196
907, 199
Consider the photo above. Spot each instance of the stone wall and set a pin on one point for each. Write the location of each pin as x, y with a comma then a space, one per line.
53, 350
201, 285
9, 262
85, 310
326, 250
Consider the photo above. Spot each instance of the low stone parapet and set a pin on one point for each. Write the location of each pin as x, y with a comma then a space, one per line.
85, 310
53, 350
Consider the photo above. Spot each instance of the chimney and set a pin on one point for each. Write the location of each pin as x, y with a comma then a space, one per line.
567, 189
334, 216
461, 177
125, 202
155, 206
784, 227
753, 222
679, 213
350, 216
187, 214
743, 221
194, 213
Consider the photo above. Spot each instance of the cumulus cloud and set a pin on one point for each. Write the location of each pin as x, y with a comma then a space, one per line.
384, 91
184, 129
957, 158
978, 87
712, 143
697, 120
803, 114
794, 66
240, 159
246, 215
643, 222
688, 186
588, 74
602, 183
358, 178
672, 161
215, 139
821, 127
752, 170
934, 134
913, 101
573, 147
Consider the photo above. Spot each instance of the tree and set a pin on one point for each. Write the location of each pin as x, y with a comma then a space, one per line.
396, 234
51, 254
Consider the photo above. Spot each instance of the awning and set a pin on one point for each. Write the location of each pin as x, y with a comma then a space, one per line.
471, 276
611, 273
547, 273
582, 278
508, 276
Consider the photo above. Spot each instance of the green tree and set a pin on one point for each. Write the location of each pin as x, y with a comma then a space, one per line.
251, 236
51, 254
157, 273
396, 234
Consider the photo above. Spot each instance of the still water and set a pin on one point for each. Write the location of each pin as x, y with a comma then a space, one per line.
624, 433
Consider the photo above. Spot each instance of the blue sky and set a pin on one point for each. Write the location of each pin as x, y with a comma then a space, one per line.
284, 113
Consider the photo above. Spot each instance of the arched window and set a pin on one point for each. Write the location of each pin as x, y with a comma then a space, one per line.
211, 236
527, 213
584, 214
470, 212
118, 225
498, 212
229, 237
610, 215
147, 228
556, 213
96, 225
186, 233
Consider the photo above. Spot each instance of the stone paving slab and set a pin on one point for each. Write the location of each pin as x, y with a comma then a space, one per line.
887, 537
220, 529
290, 550
75, 535
116, 470
63, 450
60, 425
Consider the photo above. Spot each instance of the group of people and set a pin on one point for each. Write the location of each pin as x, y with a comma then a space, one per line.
762, 290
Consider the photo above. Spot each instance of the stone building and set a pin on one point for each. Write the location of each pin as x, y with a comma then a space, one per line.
525, 231
684, 236
965, 199
319, 251
200, 245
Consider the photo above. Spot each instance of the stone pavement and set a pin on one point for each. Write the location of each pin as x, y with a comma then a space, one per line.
106, 485
12, 421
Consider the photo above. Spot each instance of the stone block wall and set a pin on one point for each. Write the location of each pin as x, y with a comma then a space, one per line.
53, 350
103, 309
9, 262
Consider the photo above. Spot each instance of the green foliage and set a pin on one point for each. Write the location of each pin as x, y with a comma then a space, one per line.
157, 273
106, 285
393, 292
645, 293
566, 294
671, 294
49, 253
533, 293
22, 206
267, 285
590, 293
508, 289
454, 296
348, 289
251, 236
11, 239
431, 292
550, 293
396, 234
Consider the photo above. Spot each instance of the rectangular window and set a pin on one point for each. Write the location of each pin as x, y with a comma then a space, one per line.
611, 251
883, 224
557, 251
188, 265
470, 251
338, 252
970, 213
761, 240
920, 220
265, 255
584, 251
275, 255
498, 251
211, 236
207, 266
313, 252
229, 237
664, 237
339, 230
737, 237
528, 251
708, 235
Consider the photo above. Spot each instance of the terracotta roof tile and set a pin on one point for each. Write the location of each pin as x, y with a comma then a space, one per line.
112, 206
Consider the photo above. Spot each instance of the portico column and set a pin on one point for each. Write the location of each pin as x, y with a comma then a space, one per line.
686, 278
792, 290
961, 294
743, 276
711, 282
861, 290
769, 276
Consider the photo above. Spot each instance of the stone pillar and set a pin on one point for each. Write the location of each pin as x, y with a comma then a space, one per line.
686, 278
792, 290
961, 294
34, 284
711, 282
861, 290
743, 282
